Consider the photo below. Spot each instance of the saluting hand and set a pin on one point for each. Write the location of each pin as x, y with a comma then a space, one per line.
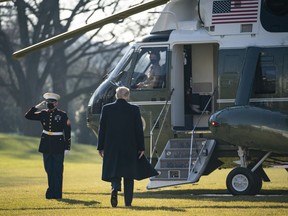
41, 105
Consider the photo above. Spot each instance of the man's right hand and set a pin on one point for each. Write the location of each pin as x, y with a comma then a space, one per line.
41, 105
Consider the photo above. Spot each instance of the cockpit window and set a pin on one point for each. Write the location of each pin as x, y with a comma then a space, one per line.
119, 75
150, 68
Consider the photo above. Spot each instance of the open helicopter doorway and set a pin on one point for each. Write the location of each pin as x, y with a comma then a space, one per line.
193, 77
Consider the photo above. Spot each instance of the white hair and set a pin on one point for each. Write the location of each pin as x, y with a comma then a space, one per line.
122, 93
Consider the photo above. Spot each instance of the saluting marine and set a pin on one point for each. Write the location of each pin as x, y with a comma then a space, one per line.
55, 140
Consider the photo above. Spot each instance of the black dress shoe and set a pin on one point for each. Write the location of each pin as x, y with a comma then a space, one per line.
114, 200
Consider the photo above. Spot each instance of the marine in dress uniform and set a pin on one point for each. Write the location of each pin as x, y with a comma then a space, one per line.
55, 141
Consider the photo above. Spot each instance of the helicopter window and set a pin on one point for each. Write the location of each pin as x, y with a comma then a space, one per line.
150, 69
229, 72
265, 80
121, 78
274, 14
276, 7
119, 75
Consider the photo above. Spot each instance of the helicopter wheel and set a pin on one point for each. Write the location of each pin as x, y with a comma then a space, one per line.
242, 181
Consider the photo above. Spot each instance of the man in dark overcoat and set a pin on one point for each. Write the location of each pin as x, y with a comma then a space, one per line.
55, 140
121, 144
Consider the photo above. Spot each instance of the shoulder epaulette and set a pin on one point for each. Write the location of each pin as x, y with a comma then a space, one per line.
61, 111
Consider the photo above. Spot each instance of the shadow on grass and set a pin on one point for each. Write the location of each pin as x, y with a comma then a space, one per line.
186, 193
86, 193
140, 208
150, 208
219, 195
80, 202
199, 206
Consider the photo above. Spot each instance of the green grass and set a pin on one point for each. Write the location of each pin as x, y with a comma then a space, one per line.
23, 184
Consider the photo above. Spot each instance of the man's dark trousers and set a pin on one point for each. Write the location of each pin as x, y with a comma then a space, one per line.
53, 164
128, 189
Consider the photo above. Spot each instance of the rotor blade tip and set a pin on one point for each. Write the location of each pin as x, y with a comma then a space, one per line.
17, 55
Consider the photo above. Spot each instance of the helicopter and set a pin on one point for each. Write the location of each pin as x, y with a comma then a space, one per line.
221, 93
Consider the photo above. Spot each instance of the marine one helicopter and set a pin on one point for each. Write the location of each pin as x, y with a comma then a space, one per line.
221, 90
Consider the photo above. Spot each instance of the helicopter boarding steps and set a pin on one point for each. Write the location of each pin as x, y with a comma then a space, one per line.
173, 164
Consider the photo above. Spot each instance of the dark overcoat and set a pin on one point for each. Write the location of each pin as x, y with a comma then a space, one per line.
121, 137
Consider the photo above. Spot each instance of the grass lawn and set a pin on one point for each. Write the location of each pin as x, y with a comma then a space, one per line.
23, 184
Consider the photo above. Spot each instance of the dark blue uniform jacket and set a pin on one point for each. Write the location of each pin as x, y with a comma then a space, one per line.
52, 121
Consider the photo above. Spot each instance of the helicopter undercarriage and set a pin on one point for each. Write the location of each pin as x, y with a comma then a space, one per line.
246, 179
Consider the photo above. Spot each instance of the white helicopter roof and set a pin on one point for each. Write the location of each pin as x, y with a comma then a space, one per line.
217, 21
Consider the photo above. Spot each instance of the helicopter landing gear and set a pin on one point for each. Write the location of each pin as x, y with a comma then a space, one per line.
242, 180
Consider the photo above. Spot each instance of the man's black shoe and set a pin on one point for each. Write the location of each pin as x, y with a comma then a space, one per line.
114, 200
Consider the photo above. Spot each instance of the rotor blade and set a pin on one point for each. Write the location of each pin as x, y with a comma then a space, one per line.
67, 35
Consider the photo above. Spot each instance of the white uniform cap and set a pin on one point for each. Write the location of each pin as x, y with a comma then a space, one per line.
50, 95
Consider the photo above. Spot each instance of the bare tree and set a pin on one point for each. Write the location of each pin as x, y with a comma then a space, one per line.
70, 68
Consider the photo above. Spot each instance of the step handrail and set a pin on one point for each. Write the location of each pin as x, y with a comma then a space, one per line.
153, 147
193, 131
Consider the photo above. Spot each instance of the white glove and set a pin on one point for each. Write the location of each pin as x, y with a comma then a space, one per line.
66, 152
41, 105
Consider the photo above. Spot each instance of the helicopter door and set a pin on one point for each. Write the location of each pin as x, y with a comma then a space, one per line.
177, 83
201, 83
192, 77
